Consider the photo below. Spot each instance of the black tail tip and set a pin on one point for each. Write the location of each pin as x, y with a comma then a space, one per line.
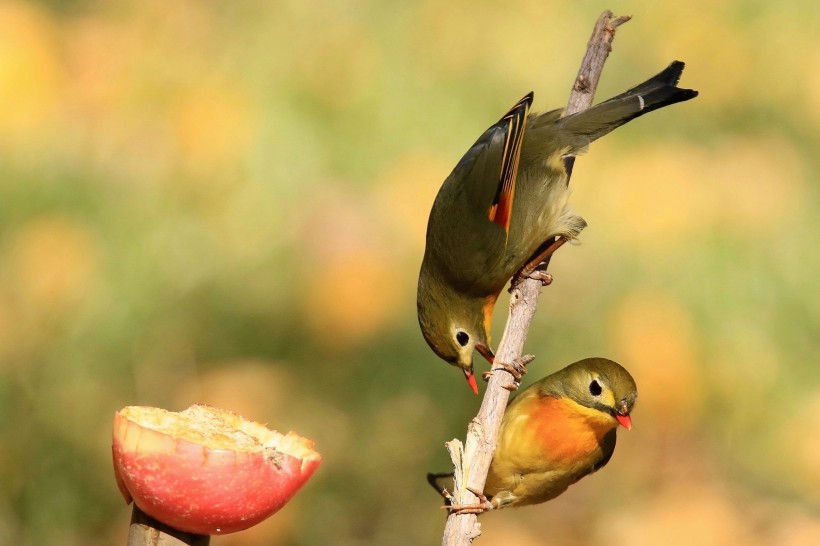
672, 73
671, 76
689, 94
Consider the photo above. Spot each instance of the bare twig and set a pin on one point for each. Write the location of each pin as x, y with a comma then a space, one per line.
473, 461
598, 49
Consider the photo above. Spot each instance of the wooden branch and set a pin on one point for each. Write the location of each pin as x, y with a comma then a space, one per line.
598, 49
473, 461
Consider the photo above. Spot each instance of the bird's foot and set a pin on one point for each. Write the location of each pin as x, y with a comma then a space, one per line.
517, 370
537, 273
536, 267
542, 276
483, 504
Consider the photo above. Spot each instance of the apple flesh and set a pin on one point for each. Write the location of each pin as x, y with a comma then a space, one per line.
206, 470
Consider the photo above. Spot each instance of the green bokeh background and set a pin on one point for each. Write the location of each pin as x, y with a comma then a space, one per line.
225, 202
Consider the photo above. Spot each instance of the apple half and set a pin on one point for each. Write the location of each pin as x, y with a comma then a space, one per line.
207, 470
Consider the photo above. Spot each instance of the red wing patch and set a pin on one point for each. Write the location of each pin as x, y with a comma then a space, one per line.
515, 120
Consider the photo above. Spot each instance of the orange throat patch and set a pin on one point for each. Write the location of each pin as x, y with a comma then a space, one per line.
489, 306
566, 430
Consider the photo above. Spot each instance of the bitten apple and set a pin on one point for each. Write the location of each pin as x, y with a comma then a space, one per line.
207, 470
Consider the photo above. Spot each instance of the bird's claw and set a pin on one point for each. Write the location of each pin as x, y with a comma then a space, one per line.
517, 369
536, 267
537, 274
483, 504
542, 276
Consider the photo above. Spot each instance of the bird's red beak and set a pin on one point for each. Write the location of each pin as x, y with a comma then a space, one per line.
468, 373
622, 415
485, 351
624, 420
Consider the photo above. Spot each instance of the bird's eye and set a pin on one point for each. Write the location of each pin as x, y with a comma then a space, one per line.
595, 388
462, 338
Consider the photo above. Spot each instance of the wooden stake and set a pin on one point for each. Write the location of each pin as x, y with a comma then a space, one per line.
146, 531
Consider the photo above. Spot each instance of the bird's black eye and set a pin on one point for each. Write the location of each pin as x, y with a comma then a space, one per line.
595, 388
462, 338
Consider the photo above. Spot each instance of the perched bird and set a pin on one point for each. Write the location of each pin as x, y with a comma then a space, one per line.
505, 201
555, 432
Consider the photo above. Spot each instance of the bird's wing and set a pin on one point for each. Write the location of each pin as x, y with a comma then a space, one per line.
514, 122
468, 227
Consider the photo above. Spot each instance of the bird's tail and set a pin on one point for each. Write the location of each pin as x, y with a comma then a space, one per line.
661, 90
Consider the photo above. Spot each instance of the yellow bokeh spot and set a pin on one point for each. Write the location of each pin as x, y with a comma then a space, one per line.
457, 43
353, 283
683, 514
256, 389
508, 531
659, 196
800, 445
213, 126
798, 530
405, 193
721, 74
99, 57
341, 65
498, 41
53, 262
812, 94
356, 299
760, 184
656, 341
29, 70
648, 197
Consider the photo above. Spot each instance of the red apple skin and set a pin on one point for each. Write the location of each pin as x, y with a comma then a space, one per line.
200, 490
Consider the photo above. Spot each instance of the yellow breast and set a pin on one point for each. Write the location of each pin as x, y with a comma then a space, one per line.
546, 444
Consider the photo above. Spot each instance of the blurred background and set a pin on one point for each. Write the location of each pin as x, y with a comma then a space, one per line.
225, 202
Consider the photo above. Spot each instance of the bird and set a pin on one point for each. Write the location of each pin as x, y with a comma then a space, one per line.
555, 432
506, 202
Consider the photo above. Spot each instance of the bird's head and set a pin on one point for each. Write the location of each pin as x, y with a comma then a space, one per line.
604, 385
454, 326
